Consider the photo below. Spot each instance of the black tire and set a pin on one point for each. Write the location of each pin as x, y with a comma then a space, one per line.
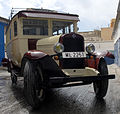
32, 78
13, 78
101, 87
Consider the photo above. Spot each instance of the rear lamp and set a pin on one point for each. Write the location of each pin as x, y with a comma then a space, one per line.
58, 48
90, 48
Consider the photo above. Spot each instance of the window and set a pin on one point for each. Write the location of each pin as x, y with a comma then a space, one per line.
62, 27
35, 27
10, 33
15, 28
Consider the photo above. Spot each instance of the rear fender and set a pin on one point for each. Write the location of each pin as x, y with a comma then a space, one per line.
5, 62
9, 64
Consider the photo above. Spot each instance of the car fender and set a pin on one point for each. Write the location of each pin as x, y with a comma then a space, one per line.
94, 62
49, 66
31, 55
107, 55
98, 61
34, 54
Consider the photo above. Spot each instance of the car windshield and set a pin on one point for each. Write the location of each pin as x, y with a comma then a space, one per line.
62, 27
40, 27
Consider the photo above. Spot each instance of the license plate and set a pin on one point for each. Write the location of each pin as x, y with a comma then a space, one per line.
73, 54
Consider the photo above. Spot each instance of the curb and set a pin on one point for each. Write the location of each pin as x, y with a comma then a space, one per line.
3, 68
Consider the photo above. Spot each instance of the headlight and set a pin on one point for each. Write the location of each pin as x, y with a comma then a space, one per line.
58, 48
90, 48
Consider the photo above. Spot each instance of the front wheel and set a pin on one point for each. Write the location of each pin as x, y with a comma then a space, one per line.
33, 77
101, 87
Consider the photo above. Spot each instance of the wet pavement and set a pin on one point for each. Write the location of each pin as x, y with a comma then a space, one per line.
70, 100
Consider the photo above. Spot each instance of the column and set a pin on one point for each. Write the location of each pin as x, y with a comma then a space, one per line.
75, 26
50, 27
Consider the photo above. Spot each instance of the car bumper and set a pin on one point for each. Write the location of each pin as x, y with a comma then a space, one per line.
56, 82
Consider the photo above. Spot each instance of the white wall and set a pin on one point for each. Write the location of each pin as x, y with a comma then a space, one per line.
117, 44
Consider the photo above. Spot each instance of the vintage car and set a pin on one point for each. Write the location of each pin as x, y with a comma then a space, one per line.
44, 47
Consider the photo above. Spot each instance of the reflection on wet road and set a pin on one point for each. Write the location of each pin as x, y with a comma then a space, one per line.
71, 100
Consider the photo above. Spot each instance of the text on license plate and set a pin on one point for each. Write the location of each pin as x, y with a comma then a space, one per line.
73, 54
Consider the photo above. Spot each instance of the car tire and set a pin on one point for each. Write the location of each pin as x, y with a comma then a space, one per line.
101, 87
32, 78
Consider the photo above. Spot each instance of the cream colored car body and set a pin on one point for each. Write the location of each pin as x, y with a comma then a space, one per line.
47, 44
17, 46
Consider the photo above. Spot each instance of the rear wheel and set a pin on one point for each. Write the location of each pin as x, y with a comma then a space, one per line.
101, 87
13, 78
33, 78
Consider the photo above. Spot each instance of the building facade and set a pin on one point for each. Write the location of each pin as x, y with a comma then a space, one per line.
106, 33
116, 37
91, 35
3, 26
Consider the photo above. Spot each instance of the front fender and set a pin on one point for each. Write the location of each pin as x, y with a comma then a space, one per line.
48, 65
34, 54
104, 54
99, 60
107, 55
94, 62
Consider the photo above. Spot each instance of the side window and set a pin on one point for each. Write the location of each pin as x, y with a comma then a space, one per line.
15, 28
35, 27
10, 34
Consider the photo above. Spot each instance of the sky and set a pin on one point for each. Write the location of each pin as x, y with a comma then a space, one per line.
93, 14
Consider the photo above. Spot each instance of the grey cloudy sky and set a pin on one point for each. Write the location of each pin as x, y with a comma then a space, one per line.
93, 14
